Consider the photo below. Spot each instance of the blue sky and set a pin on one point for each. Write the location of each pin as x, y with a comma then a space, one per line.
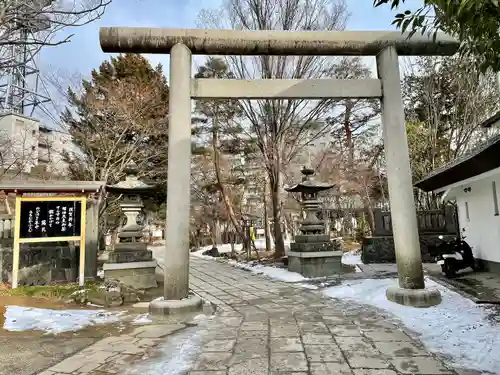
71, 61
83, 52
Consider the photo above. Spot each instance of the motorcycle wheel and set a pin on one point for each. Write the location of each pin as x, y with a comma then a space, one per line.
448, 270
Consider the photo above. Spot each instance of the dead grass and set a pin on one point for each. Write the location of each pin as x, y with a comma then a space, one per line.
53, 291
350, 246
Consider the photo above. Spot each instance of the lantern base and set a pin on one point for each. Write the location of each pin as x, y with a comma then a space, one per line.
317, 263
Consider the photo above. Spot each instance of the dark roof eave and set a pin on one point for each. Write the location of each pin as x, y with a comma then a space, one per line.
51, 186
483, 159
488, 123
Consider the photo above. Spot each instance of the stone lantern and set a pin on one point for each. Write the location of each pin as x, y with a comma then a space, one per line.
131, 262
313, 254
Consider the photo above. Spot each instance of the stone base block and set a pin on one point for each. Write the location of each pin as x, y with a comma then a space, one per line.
317, 264
312, 238
380, 249
413, 297
40, 264
137, 275
313, 247
127, 255
170, 307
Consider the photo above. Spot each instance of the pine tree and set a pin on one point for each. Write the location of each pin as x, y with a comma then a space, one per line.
119, 116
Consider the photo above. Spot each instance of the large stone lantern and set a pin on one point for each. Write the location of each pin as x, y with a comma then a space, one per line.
313, 254
131, 262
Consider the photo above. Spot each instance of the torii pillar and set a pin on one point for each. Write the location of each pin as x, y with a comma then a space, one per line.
386, 45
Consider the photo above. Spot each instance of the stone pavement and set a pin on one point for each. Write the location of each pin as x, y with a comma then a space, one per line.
261, 327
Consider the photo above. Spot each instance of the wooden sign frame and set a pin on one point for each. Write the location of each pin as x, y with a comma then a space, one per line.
18, 240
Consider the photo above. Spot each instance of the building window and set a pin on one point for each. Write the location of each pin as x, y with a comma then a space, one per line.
19, 126
467, 211
495, 197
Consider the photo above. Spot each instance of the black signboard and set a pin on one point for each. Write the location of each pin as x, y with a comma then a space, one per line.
50, 219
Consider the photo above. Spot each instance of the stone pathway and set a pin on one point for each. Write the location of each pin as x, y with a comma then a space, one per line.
262, 327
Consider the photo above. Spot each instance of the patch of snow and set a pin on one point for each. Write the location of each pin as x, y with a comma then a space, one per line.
275, 273
351, 258
177, 355
77, 294
201, 317
222, 249
260, 244
308, 286
457, 327
20, 318
142, 319
93, 305
100, 274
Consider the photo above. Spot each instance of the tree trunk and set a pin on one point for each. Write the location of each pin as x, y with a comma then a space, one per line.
266, 218
348, 137
222, 188
279, 243
213, 234
231, 241
370, 216
217, 233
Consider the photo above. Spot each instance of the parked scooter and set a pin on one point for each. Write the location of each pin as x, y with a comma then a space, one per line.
455, 255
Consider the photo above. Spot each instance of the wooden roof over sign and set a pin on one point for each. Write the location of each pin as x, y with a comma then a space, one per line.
22, 186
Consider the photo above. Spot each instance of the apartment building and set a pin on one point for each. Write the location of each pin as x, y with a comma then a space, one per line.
25, 144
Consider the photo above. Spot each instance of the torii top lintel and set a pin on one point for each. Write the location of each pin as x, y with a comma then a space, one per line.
268, 42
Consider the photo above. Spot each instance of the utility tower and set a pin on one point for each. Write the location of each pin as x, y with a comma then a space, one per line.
20, 82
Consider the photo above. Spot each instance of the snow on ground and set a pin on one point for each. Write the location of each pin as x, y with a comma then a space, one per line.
142, 319
223, 249
457, 327
20, 318
352, 259
281, 274
260, 244
308, 286
176, 354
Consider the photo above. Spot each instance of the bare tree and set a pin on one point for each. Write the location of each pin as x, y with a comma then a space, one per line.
18, 153
217, 119
209, 203
207, 206
36, 23
27, 26
445, 102
281, 127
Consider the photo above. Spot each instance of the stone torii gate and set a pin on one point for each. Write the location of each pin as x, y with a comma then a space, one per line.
386, 46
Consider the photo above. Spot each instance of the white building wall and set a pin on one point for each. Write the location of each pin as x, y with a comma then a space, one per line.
478, 214
24, 144
51, 148
19, 141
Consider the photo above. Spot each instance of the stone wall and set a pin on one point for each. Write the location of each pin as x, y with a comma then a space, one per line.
380, 249
40, 264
